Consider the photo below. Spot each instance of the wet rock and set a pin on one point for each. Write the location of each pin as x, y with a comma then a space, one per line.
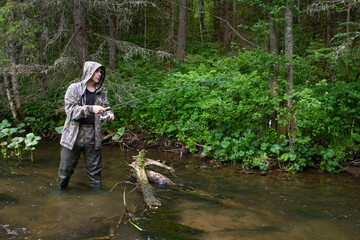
263, 173
5, 198
246, 172
202, 167
355, 171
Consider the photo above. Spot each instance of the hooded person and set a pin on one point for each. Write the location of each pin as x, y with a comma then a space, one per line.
85, 103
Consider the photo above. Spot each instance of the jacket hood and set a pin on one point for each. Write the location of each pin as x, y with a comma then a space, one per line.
89, 69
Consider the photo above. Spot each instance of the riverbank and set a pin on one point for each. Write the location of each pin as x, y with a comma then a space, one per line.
137, 141
133, 140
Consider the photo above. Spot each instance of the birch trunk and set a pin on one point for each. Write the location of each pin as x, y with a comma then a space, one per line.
9, 97
16, 90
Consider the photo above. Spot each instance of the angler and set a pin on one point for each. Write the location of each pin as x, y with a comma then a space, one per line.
85, 103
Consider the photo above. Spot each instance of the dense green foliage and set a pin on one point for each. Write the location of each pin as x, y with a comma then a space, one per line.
228, 118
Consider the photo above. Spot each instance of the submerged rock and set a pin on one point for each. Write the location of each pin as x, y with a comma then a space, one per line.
5, 198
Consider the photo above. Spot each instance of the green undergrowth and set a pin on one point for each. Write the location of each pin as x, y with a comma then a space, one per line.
228, 112
228, 116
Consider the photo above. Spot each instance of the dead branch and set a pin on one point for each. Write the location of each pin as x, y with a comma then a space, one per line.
143, 183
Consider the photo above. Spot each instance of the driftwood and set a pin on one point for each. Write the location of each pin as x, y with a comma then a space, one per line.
143, 177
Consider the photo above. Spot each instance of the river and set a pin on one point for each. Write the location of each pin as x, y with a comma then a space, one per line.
216, 203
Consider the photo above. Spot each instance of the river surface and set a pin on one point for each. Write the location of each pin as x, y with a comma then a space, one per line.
216, 203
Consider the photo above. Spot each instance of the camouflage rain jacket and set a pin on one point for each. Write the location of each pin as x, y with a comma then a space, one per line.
75, 108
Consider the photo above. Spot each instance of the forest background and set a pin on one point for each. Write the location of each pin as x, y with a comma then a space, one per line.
278, 81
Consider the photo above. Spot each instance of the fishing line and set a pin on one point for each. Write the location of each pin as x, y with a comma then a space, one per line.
174, 89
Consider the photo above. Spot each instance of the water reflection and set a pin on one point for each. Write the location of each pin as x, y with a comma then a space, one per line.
225, 203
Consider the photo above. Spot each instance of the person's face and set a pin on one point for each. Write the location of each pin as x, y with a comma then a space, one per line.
96, 76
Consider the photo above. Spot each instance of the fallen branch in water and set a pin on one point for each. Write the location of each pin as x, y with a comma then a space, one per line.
147, 190
143, 177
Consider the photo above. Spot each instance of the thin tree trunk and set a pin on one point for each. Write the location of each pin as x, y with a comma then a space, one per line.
145, 26
234, 24
42, 53
43, 78
169, 41
16, 90
328, 27
80, 32
273, 79
347, 42
192, 20
289, 75
289, 47
216, 21
112, 44
328, 36
274, 49
9, 97
226, 32
201, 20
181, 37
15, 81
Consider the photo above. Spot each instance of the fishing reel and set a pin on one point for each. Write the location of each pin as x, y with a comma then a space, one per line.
104, 118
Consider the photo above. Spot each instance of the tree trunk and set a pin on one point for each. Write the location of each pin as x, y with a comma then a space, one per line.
15, 81
328, 28
42, 61
289, 75
274, 49
328, 36
348, 41
16, 90
112, 44
289, 42
9, 97
169, 41
216, 21
226, 32
191, 25
201, 20
145, 25
181, 37
81, 43
234, 25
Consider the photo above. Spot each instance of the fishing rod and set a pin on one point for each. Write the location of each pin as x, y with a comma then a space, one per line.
171, 90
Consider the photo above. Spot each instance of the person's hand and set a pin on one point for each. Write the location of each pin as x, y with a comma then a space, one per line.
99, 109
111, 117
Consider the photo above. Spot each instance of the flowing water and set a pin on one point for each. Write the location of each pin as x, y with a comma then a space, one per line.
217, 203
